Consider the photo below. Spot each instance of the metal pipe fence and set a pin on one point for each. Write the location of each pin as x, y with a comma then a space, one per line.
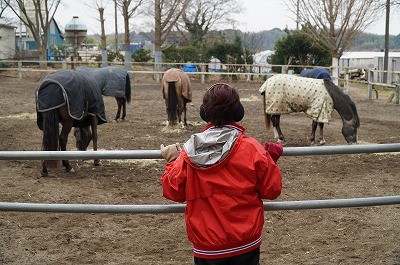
180, 208
156, 154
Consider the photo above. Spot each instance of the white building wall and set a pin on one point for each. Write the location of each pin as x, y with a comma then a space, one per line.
7, 42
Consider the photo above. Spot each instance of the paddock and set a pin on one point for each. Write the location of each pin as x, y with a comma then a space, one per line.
366, 235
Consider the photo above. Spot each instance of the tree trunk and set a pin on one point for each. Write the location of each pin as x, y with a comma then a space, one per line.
42, 52
335, 70
103, 39
157, 40
128, 59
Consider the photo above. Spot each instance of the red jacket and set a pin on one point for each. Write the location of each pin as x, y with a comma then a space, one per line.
224, 209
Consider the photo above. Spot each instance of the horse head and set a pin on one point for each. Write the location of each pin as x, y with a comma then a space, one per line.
83, 137
349, 131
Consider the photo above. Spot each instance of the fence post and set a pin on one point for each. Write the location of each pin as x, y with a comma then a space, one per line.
397, 94
203, 69
19, 69
370, 74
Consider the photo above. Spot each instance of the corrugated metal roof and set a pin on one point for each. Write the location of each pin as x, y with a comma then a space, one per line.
367, 55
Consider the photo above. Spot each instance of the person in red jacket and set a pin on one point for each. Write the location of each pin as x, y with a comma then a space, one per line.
222, 175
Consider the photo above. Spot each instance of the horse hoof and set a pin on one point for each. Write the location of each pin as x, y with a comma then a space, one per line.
70, 170
97, 163
312, 143
322, 142
44, 174
115, 121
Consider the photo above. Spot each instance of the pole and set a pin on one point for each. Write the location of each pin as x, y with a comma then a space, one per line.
386, 56
298, 15
116, 25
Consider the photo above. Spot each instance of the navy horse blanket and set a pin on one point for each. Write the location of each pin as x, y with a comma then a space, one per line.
290, 93
111, 79
317, 73
78, 91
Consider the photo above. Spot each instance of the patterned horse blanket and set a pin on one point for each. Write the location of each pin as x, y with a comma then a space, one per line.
111, 79
79, 91
318, 73
289, 93
175, 75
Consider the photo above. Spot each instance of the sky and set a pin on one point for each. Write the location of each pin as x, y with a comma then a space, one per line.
257, 15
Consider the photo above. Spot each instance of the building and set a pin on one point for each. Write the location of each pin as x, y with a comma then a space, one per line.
7, 41
371, 60
27, 46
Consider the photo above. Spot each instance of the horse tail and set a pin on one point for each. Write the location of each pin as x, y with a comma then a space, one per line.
267, 121
266, 116
172, 102
128, 89
51, 131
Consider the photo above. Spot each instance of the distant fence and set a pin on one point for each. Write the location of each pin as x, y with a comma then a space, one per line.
180, 208
248, 72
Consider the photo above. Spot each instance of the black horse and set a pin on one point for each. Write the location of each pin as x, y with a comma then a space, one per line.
115, 82
317, 98
71, 99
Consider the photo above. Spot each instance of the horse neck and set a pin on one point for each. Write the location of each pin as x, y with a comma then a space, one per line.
342, 103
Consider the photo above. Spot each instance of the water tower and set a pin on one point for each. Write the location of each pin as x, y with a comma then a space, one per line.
75, 33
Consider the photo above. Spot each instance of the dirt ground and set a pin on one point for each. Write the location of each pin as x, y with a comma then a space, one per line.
367, 235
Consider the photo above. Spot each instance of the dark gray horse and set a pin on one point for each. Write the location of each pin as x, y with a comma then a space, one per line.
115, 82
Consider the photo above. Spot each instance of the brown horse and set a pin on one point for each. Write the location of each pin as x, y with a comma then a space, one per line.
71, 99
176, 89
317, 98
115, 82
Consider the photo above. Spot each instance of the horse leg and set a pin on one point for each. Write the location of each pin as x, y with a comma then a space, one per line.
313, 129
184, 113
66, 129
119, 109
94, 122
321, 133
123, 108
277, 129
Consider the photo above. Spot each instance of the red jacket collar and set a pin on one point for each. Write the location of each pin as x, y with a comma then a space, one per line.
233, 125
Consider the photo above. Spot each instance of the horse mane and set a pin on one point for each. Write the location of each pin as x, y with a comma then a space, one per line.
172, 102
342, 103
128, 89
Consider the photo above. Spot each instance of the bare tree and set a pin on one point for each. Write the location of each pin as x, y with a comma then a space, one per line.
100, 6
166, 15
3, 7
202, 15
128, 9
36, 16
337, 24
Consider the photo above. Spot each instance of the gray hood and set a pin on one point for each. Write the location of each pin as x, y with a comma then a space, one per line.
211, 146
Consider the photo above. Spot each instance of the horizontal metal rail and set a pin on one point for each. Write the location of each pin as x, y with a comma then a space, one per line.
156, 154
180, 208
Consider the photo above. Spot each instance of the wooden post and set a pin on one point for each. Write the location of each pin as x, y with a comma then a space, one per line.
370, 73
203, 69
19, 69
